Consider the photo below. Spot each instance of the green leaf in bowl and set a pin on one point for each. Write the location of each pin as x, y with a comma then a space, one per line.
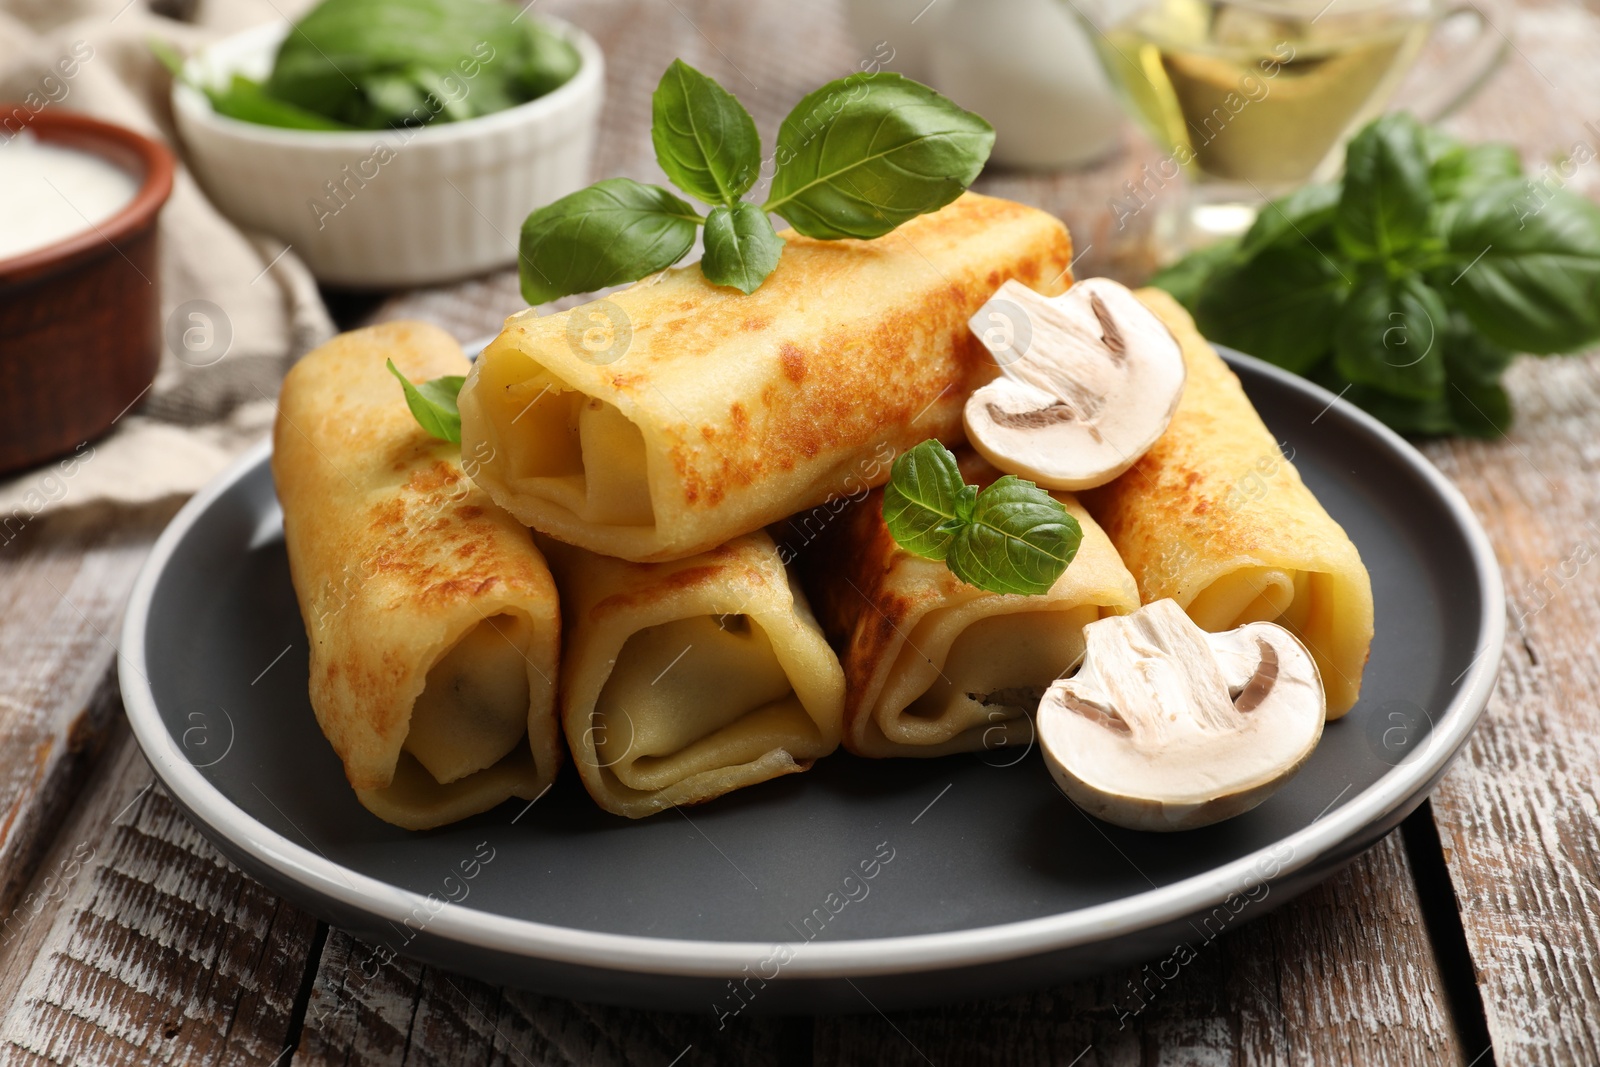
376, 64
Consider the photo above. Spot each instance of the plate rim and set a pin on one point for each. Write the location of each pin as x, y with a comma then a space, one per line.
866, 957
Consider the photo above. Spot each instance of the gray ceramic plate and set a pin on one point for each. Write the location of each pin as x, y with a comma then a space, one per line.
896, 882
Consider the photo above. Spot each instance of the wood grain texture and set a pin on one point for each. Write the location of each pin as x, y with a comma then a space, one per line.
370, 1010
63, 582
140, 944
1344, 974
1518, 817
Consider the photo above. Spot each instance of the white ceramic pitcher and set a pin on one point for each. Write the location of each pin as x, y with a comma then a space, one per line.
1025, 65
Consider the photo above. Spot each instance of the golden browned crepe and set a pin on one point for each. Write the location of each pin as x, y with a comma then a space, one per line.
683, 681
432, 617
677, 414
1215, 517
933, 665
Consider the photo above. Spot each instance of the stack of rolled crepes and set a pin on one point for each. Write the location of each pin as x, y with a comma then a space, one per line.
697, 466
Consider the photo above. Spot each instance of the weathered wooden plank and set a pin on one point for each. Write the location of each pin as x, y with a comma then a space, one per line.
368, 1010
1345, 974
1518, 818
138, 944
63, 581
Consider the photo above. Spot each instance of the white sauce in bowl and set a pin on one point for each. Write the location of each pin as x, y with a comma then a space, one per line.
49, 193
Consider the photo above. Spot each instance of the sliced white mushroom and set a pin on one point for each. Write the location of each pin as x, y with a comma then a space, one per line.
1167, 727
1089, 380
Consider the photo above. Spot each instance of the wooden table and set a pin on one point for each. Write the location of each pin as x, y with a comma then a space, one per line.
1470, 937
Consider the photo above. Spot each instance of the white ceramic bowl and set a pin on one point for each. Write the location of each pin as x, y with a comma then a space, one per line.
383, 208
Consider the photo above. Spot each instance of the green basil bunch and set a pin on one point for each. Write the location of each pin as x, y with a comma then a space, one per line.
1409, 285
374, 64
1012, 537
855, 158
381, 64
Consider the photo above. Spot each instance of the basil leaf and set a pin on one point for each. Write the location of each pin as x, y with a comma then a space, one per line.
1390, 337
926, 500
614, 231
1471, 357
863, 154
243, 98
247, 101
1011, 538
1468, 169
1478, 404
374, 64
705, 140
1020, 540
1437, 144
1385, 204
550, 62
1301, 216
1480, 409
1185, 278
1527, 274
393, 96
433, 403
1281, 306
1415, 418
1471, 403
741, 247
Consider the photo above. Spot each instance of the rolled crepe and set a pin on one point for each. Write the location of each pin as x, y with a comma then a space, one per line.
1215, 517
431, 616
683, 681
677, 415
933, 665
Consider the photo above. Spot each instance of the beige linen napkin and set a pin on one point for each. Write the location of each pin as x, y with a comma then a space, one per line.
202, 411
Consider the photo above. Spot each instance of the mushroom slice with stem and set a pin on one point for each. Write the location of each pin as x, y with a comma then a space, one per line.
1089, 380
1167, 727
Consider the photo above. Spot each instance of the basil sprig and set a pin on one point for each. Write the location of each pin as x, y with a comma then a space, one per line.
1408, 285
855, 158
1012, 537
433, 403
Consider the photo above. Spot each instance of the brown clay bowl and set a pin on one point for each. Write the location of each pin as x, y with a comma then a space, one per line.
80, 320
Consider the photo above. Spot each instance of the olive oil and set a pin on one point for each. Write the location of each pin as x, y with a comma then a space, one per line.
1260, 92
